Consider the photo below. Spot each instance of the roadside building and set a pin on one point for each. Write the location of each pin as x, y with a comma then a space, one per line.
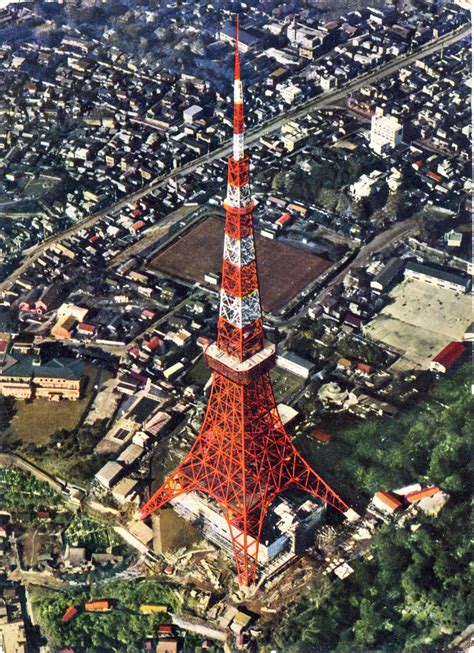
295, 364
388, 275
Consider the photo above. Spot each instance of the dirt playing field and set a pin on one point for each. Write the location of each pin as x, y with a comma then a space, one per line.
420, 320
283, 270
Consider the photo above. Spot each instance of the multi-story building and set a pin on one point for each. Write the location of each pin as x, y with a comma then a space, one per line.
385, 132
446, 278
27, 376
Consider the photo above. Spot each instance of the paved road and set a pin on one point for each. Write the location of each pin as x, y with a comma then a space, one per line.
252, 136
382, 241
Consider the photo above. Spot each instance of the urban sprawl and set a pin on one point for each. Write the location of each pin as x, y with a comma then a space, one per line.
113, 179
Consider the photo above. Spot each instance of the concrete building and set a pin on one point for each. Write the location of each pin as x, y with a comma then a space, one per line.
289, 92
192, 113
390, 273
247, 42
367, 185
453, 238
131, 454
385, 132
28, 377
448, 279
125, 490
295, 364
108, 474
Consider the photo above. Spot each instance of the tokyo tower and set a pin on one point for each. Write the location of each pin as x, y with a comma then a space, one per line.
242, 457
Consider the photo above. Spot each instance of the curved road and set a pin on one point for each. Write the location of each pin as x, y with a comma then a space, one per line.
252, 136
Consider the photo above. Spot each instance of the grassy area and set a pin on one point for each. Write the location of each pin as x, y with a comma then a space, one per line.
36, 421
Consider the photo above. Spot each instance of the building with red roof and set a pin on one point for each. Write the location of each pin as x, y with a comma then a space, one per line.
386, 502
321, 436
447, 357
427, 492
152, 344
137, 226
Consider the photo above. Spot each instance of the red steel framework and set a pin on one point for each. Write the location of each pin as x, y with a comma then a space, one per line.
242, 457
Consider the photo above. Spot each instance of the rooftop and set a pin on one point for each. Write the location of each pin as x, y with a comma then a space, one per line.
22, 365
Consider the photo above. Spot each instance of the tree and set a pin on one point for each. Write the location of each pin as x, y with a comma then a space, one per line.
414, 595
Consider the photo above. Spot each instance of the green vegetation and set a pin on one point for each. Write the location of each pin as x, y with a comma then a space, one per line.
413, 595
320, 180
361, 350
67, 454
90, 533
284, 384
22, 493
7, 411
120, 630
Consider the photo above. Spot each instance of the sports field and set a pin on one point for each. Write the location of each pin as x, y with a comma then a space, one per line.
420, 321
283, 270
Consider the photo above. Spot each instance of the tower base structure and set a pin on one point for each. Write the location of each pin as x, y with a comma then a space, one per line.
242, 458
289, 527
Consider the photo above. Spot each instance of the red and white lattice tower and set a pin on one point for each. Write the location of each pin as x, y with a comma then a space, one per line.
242, 457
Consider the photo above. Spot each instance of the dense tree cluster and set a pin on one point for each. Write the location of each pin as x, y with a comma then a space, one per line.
413, 595
20, 492
310, 180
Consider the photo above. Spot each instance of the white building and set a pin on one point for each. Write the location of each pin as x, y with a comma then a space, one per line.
453, 238
192, 113
449, 279
295, 364
385, 132
289, 92
367, 185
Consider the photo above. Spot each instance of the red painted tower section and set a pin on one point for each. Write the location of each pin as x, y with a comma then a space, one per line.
242, 457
